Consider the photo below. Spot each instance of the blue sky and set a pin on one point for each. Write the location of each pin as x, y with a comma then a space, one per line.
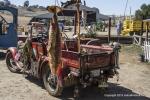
108, 7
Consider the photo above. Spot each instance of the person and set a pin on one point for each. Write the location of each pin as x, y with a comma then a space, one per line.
119, 28
104, 26
61, 27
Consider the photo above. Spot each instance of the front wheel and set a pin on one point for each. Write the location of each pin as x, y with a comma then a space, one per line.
11, 64
51, 82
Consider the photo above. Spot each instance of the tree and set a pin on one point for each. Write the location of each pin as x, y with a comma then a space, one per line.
138, 14
42, 8
26, 4
143, 12
34, 6
31, 8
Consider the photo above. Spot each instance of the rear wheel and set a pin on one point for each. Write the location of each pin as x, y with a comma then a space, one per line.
51, 82
11, 64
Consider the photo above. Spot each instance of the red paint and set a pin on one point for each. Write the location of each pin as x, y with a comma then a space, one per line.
13, 50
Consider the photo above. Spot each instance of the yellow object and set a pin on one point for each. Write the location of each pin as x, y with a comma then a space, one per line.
133, 26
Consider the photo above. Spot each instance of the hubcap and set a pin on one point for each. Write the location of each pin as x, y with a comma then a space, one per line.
52, 80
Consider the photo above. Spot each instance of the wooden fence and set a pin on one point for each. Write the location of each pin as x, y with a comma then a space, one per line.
146, 49
137, 40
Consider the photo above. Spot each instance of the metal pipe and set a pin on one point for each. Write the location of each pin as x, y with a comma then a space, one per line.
125, 8
109, 30
75, 25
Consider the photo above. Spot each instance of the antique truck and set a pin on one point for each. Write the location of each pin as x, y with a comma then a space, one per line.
66, 62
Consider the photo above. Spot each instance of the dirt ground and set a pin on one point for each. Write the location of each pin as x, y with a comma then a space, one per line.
134, 83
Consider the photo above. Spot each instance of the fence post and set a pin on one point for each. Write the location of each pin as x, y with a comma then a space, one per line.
142, 28
134, 39
147, 30
140, 40
141, 31
149, 51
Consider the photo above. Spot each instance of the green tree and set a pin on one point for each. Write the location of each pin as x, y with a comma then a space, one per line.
143, 12
138, 14
26, 4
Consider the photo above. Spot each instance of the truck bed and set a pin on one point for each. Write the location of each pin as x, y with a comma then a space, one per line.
91, 57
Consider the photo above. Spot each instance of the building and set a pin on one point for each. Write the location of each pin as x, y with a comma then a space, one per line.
88, 15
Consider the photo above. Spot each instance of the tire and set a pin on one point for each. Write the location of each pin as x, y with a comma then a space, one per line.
53, 89
10, 63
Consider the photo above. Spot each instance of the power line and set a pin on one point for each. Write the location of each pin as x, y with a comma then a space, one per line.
126, 8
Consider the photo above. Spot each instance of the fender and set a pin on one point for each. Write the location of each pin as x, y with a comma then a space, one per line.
13, 50
43, 62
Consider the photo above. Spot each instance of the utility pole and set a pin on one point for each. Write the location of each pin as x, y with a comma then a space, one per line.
78, 23
125, 8
130, 13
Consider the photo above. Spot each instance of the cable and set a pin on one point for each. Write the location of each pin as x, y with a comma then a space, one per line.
125, 8
57, 3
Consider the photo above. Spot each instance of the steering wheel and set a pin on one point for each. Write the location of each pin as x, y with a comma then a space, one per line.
2, 20
42, 37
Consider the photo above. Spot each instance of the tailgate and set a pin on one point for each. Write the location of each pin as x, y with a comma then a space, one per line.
99, 60
97, 56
